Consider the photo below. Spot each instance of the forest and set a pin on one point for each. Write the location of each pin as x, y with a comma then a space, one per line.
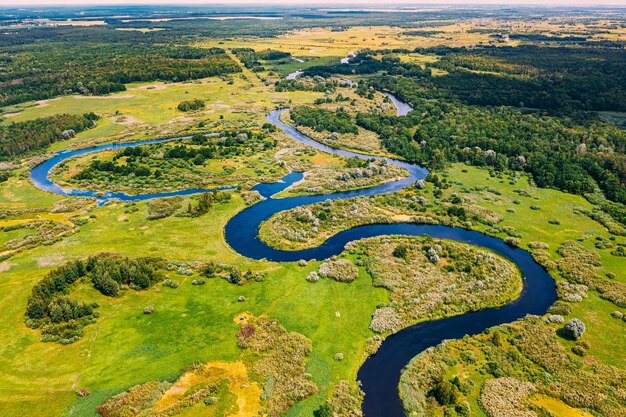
529, 116
45, 70
251, 59
21, 138
559, 79
320, 119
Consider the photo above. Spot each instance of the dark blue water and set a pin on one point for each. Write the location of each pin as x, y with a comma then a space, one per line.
380, 373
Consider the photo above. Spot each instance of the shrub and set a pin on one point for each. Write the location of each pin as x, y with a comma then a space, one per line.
190, 105
444, 392
312, 277
506, 397
210, 269
538, 245
400, 251
574, 329
160, 208
170, 283
341, 270
579, 350
556, 318
338, 356
235, 276
560, 308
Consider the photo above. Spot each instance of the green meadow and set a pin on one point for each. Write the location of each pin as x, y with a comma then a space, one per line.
197, 323
191, 323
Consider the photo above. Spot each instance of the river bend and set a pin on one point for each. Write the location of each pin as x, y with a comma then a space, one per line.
380, 374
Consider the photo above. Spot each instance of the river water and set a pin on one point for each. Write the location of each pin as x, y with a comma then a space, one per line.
380, 373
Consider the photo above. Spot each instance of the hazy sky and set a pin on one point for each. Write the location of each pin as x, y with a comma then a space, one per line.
338, 3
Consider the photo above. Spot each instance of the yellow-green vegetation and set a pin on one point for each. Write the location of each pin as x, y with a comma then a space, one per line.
189, 324
16, 237
162, 340
501, 205
309, 226
151, 109
357, 173
323, 42
277, 357
521, 369
364, 141
229, 158
214, 389
576, 248
429, 279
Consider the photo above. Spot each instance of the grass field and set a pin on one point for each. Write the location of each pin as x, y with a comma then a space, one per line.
190, 323
323, 42
196, 323
150, 109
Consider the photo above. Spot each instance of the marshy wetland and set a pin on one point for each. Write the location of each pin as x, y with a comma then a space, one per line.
256, 225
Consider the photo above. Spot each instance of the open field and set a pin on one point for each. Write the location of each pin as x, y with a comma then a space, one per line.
105, 345
220, 334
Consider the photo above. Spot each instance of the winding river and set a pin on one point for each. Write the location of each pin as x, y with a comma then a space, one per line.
40, 175
380, 373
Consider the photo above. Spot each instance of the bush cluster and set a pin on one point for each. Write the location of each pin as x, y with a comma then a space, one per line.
60, 317
342, 270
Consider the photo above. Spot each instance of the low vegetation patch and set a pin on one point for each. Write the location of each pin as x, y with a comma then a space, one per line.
208, 387
357, 173
499, 369
277, 359
18, 237
579, 266
341, 270
431, 278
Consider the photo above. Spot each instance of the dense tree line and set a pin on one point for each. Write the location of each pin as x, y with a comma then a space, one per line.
320, 86
41, 71
568, 148
61, 317
554, 78
321, 119
108, 166
23, 137
567, 153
